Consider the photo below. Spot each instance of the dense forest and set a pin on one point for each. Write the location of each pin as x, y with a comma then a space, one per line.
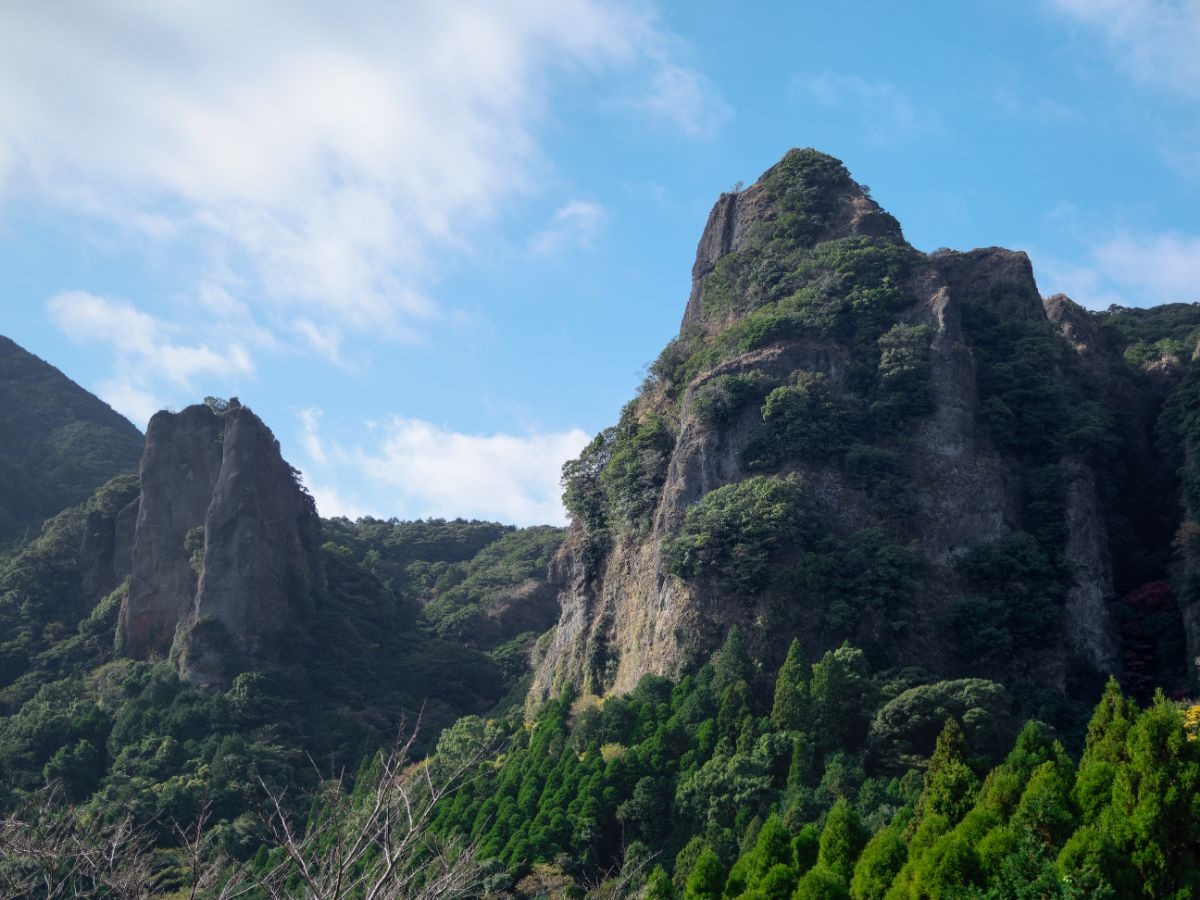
886, 584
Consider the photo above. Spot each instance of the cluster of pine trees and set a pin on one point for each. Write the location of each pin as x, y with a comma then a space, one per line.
693, 789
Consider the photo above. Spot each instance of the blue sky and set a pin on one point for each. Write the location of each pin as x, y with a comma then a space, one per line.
433, 245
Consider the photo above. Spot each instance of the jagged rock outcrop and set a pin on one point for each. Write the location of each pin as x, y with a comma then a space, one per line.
223, 555
800, 277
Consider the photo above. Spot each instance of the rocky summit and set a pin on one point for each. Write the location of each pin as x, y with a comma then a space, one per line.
851, 440
224, 548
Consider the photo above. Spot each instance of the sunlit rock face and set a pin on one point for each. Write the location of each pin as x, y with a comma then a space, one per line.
223, 554
768, 259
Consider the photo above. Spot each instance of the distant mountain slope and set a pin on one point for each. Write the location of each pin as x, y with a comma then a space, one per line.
58, 443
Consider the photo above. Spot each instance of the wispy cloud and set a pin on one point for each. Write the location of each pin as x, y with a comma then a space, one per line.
683, 99
1157, 41
1131, 269
321, 157
310, 421
886, 111
1043, 110
419, 469
575, 223
146, 351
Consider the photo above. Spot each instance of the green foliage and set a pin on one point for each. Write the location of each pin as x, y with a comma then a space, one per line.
903, 391
719, 400
58, 444
1017, 591
880, 862
47, 627
733, 531
193, 546
706, 879
1164, 335
790, 705
584, 495
636, 468
1163, 353
504, 574
950, 784
800, 420
905, 729
711, 782
842, 840
841, 693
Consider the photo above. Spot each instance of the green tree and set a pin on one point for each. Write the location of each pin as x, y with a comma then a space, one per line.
790, 707
842, 840
707, 878
881, 860
841, 698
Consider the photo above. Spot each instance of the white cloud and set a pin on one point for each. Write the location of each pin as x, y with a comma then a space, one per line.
84, 317
1157, 41
427, 470
320, 155
331, 503
684, 99
578, 222
886, 111
310, 420
145, 351
1130, 269
130, 400
326, 341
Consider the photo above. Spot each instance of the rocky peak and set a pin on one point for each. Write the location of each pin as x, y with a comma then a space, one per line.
224, 546
994, 277
824, 363
814, 196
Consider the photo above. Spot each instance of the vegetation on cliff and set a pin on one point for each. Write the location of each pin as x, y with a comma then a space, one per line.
870, 511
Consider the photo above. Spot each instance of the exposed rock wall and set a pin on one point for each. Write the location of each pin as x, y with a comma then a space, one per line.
626, 616
179, 470
223, 554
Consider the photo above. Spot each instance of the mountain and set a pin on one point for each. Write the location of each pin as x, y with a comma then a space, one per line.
851, 440
225, 554
58, 444
871, 510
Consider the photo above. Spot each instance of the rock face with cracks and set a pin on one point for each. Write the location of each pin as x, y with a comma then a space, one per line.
223, 552
627, 611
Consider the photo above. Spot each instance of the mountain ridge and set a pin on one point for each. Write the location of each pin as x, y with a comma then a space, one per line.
61, 443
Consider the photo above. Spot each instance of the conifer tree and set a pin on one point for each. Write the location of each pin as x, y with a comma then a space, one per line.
707, 878
789, 709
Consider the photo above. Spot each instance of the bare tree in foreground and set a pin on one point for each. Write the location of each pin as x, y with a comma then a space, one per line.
374, 842
51, 849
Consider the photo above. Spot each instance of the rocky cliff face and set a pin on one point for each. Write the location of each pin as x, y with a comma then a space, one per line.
805, 297
223, 554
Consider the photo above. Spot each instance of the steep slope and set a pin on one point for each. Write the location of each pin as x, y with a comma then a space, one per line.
853, 440
225, 553
58, 443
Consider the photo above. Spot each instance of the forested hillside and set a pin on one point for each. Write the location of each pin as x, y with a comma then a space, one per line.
58, 443
886, 584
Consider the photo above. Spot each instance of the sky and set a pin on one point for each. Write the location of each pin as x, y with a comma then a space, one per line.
434, 245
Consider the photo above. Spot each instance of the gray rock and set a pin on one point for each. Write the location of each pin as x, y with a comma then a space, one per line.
223, 555
627, 617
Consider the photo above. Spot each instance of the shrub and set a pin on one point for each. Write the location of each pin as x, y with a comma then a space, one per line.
733, 531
